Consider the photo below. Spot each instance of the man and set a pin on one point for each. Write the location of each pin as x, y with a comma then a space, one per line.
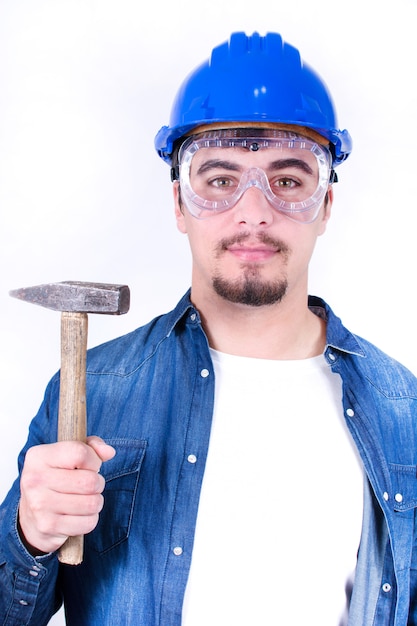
238, 426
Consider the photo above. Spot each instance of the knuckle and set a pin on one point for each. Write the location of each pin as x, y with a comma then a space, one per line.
29, 480
79, 453
84, 456
31, 477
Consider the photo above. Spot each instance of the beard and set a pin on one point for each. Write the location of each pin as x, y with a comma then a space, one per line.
250, 289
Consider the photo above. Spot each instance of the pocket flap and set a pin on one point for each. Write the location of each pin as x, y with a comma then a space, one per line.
128, 458
404, 486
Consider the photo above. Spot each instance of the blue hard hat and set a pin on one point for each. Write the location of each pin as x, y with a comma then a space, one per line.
254, 79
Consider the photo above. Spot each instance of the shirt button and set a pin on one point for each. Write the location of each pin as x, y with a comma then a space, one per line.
385, 496
33, 573
350, 412
192, 458
177, 551
386, 587
23, 602
193, 317
204, 373
332, 356
398, 497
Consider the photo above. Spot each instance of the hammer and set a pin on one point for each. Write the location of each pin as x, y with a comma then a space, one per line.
74, 300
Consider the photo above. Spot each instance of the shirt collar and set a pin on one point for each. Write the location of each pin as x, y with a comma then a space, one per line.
337, 336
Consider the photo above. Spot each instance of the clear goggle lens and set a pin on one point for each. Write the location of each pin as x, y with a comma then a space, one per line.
294, 178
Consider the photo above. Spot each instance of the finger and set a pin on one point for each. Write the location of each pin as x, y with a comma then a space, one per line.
57, 480
45, 522
71, 526
71, 505
65, 455
78, 481
48, 532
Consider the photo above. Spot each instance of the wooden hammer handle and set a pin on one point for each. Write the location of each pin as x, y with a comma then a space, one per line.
72, 415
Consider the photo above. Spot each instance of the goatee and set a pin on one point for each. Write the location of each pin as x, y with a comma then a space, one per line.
251, 289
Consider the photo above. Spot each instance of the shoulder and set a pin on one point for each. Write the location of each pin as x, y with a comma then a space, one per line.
386, 373
356, 357
125, 354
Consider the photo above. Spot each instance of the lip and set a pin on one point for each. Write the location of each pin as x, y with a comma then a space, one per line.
252, 253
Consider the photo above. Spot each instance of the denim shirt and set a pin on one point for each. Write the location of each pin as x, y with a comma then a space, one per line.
150, 394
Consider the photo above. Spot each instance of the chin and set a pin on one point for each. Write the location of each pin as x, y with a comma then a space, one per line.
250, 292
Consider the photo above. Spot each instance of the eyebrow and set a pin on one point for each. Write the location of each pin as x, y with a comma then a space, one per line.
281, 164
278, 164
212, 164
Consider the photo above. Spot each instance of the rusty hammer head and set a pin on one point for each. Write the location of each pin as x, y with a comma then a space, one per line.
78, 297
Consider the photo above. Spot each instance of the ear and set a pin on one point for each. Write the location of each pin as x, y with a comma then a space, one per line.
179, 211
327, 211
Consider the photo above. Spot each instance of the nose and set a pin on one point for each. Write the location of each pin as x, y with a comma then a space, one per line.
253, 208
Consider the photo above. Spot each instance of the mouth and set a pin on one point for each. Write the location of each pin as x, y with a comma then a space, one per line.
253, 253
249, 249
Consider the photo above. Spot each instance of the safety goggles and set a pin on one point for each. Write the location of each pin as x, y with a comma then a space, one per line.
213, 172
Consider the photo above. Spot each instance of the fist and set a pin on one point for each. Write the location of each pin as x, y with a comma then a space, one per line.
61, 492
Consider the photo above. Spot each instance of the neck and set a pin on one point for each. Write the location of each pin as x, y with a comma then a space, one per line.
287, 330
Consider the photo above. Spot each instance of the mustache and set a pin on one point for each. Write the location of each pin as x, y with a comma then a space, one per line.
261, 237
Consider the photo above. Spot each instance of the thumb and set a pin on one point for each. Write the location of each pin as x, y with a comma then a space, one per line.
101, 448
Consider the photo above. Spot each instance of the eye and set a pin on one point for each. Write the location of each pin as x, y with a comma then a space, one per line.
288, 183
221, 182
285, 183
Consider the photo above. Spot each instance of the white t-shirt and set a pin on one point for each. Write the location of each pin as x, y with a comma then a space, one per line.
280, 512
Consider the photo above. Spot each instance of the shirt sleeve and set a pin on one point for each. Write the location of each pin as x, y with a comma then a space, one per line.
28, 585
28, 592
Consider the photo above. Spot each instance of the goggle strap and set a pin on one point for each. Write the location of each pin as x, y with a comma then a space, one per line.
175, 173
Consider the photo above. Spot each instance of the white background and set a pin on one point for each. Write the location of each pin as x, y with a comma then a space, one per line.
84, 87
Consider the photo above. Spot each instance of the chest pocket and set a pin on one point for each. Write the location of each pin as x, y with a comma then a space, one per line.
404, 486
121, 474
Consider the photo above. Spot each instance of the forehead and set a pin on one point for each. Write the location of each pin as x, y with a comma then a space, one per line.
255, 145
242, 157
